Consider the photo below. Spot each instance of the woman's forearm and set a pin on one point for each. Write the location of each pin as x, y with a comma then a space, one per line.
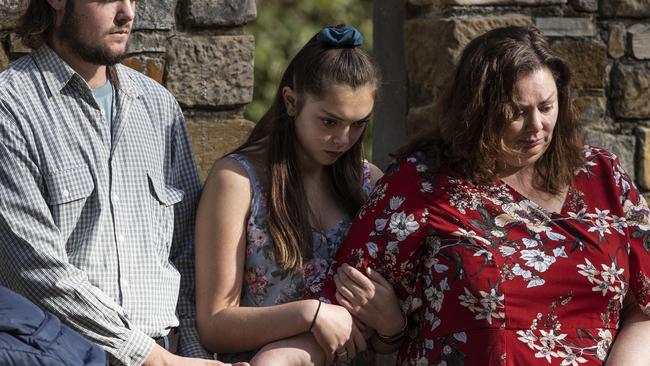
632, 344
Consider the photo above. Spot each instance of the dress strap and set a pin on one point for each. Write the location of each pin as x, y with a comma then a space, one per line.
366, 181
247, 167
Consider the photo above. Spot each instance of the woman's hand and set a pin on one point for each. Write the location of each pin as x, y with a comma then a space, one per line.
336, 333
370, 298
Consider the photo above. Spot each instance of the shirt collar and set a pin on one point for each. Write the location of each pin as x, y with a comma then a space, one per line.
58, 74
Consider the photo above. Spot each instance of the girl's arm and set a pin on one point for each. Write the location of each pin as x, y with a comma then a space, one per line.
223, 325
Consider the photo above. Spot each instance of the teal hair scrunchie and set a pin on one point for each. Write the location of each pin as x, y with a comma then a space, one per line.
342, 36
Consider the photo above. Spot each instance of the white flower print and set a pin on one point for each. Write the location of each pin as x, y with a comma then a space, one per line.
484, 253
546, 353
535, 281
527, 337
426, 187
570, 358
435, 297
524, 212
395, 202
490, 304
637, 215
507, 250
537, 259
610, 279
468, 300
372, 249
611, 273
550, 338
471, 235
588, 270
518, 271
604, 344
402, 225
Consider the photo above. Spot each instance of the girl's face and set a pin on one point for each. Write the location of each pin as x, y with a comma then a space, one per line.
329, 126
531, 130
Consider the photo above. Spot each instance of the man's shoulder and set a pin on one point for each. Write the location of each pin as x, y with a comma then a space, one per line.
13, 80
146, 85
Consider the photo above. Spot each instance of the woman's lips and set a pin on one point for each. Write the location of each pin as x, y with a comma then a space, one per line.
528, 144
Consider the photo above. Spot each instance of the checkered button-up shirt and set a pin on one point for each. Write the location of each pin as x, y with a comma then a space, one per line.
96, 228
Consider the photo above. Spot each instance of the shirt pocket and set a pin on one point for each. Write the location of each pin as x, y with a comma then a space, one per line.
164, 197
66, 194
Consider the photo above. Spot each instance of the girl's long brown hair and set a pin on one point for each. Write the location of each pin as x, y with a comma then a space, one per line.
480, 102
314, 68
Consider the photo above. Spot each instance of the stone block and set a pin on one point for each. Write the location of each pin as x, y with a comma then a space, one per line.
616, 41
566, 27
505, 2
220, 13
587, 59
640, 34
10, 11
141, 42
643, 161
153, 67
631, 91
591, 110
625, 8
17, 46
585, 5
433, 47
205, 70
420, 119
4, 59
211, 139
624, 146
154, 14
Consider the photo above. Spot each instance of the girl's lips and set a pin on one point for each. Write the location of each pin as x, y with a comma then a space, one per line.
334, 154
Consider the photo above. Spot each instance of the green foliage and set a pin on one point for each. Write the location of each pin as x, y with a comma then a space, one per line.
282, 27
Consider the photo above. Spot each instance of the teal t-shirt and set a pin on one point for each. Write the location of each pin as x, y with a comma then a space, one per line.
104, 97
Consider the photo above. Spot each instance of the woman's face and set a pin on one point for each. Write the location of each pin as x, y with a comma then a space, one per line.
329, 126
530, 131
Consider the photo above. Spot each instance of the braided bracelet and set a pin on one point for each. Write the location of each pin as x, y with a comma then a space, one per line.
313, 321
397, 337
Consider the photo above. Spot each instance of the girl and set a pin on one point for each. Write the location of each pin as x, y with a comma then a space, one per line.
273, 212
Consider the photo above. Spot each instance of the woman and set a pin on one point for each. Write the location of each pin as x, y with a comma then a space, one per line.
272, 213
507, 240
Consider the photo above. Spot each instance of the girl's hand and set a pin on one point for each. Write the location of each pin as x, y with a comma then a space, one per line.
336, 333
370, 298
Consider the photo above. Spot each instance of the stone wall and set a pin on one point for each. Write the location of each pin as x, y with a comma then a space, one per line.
607, 43
197, 49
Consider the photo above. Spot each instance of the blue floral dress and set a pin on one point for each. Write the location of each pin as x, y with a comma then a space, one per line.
265, 284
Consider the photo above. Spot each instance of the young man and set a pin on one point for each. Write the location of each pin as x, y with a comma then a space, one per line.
98, 187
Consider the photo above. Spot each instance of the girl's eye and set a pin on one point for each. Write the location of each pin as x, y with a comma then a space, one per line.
545, 108
328, 122
361, 123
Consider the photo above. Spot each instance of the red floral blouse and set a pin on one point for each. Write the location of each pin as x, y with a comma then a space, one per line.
490, 278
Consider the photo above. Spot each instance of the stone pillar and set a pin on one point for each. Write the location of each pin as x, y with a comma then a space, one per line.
390, 110
606, 42
197, 49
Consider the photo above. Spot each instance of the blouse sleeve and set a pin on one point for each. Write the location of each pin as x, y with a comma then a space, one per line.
388, 235
637, 216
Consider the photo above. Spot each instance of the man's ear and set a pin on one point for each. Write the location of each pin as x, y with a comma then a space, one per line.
290, 101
